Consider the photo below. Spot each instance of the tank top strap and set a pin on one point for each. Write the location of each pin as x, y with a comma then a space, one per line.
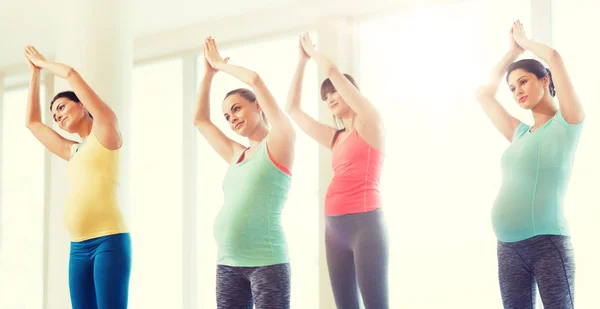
262, 149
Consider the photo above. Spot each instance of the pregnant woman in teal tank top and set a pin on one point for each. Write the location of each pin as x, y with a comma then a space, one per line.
528, 214
252, 264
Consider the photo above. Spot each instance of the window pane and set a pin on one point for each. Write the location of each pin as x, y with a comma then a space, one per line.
17, 80
21, 206
442, 170
155, 185
275, 61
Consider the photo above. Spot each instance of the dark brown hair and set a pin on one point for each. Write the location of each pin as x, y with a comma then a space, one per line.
327, 88
70, 95
248, 95
534, 67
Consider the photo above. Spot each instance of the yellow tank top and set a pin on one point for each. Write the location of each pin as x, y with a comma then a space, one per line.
91, 208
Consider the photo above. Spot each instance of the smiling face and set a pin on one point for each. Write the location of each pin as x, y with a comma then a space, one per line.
336, 103
527, 89
242, 114
68, 113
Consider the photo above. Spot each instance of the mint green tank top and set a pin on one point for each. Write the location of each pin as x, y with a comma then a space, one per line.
248, 229
536, 169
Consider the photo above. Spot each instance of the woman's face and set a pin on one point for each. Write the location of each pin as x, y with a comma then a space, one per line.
242, 115
68, 114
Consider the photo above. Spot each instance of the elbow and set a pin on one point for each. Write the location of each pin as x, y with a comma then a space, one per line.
331, 69
30, 124
255, 80
554, 56
70, 72
199, 121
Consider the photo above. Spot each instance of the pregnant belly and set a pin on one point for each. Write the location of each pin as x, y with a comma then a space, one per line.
512, 214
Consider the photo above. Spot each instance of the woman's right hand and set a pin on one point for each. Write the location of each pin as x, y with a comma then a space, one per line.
514, 47
208, 69
307, 44
35, 57
32, 67
304, 57
212, 55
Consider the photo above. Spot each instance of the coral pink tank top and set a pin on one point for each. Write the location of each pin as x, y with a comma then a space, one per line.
355, 185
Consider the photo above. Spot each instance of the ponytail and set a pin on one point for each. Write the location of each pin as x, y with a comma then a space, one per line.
551, 83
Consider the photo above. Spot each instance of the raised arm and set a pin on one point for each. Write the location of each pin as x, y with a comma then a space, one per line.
222, 144
569, 104
53, 141
282, 137
320, 132
105, 120
370, 122
486, 93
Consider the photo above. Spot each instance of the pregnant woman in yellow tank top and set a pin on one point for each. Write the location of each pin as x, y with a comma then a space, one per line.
100, 257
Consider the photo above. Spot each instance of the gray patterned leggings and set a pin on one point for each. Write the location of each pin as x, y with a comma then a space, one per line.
267, 287
546, 260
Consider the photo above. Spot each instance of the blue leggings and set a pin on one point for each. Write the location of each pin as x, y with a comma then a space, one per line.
99, 270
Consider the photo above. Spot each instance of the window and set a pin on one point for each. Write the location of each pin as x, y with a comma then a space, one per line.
21, 206
155, 146
442, 169
275, 61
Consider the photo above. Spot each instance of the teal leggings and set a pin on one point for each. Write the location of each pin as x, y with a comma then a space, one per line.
99, 271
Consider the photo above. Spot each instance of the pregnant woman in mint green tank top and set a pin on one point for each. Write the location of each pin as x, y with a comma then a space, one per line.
252, 264
528, 214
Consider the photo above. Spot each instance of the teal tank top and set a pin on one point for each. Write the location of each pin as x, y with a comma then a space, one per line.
248, 229
536, 169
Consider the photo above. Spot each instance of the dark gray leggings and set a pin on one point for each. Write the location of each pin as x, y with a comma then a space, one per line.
267, 287
357, 256
546, 260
